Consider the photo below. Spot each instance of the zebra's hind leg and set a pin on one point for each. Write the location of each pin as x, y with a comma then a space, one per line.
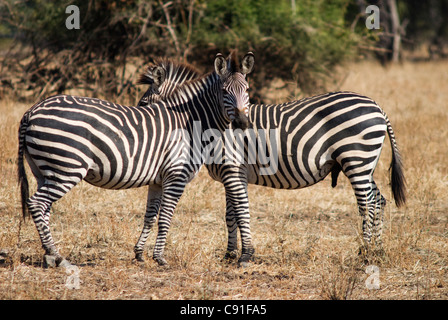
39, 206
371, 208
152, 210
380, 203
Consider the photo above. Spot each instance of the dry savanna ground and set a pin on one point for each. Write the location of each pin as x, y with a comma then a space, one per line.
306, 240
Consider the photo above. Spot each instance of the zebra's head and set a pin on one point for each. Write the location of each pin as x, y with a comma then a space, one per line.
235, 87
164, 76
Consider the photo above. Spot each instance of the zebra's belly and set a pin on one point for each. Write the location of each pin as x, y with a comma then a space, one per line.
94, 178
283, 178
123, 177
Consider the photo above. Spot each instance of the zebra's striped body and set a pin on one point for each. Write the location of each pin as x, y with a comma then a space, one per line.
67, 139
333, 132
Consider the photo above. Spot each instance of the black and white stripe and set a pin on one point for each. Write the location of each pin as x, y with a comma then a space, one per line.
328, 133
66, 139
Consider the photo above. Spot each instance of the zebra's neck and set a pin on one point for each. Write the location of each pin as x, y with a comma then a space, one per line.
200, 100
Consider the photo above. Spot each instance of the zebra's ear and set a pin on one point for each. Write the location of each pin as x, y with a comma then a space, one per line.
247, 64
158, 74
220, 65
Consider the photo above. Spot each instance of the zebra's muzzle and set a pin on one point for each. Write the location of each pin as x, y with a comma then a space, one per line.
240, 121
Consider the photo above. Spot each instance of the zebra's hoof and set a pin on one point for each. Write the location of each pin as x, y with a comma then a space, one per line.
161, 261
363, 250
370, 254
245, 260
230, 255
244, 264
52, 261
49, 261
139, 257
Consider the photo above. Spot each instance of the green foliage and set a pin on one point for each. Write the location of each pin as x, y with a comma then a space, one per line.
294, 40
302, 44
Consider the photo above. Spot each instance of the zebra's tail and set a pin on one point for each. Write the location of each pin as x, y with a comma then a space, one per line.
398, 181
21, 173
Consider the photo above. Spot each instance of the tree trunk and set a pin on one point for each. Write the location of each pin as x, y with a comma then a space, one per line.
396, 30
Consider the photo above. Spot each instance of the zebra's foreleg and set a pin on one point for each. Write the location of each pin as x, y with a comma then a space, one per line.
152, 210
232, 229
239, 200
243, 220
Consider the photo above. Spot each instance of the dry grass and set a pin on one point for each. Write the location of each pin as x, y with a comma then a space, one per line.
306, 240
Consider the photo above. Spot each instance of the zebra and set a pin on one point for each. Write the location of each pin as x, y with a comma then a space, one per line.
315, 136
66, 139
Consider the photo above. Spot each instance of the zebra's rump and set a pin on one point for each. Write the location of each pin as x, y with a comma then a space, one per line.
109, 145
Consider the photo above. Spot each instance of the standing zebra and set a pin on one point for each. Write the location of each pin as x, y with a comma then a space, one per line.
328, 133
333, 132
66, 139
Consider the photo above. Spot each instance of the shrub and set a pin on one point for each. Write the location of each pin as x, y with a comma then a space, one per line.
294, 40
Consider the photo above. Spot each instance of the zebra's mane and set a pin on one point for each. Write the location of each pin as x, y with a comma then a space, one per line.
183, 91
233, 61
175, 71
185, 77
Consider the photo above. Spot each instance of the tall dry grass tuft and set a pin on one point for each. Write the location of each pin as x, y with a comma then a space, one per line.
339, 278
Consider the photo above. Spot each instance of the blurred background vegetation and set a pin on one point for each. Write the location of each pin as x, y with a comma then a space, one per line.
298, 41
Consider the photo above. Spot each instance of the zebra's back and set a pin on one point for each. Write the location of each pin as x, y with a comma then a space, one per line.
313, 135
